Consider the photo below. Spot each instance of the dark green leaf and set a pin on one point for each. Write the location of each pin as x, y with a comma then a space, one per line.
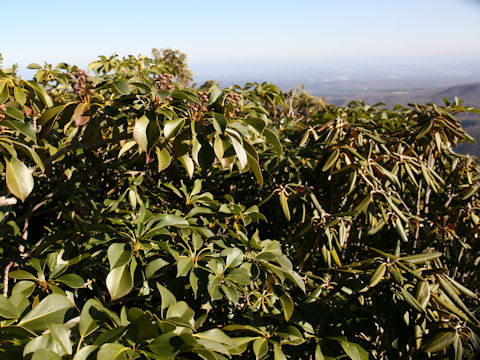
121, 87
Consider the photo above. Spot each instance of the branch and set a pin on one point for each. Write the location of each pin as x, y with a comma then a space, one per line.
4, 201
74, 145
5, 278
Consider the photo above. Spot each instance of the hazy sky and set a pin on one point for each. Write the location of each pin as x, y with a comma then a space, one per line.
242, 30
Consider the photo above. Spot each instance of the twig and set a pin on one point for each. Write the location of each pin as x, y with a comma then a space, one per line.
427, 199
5, 278
4, 201
74, 145
417, 230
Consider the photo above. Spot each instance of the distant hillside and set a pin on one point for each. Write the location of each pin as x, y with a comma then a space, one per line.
469, 93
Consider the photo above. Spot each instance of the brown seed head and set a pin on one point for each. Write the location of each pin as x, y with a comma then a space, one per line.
164, 82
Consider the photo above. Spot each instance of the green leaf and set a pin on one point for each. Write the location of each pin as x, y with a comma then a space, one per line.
85, 352
73, 280
4, 94
50, 114
273, 139
89, 317
422, 293
118, 254
257, 124
287, 306
181, 310
318, 353
24, 287
410, 300
140, 133
240, 151
216, 335
34, 66
164, 158
188, 164
141, 327
186, 95
14, 113
202, 152
230, 292
121, 87
172, 127
253, 163
23, 128
440, 341
364, 204
296, 279
153, 266
400, 230
284, 205
45, 354
184, 265
331, 160
216, 92
7, 310
59, 333
421, 258
353, 350
112, 352
110, 336
19, 179
378, 275
172, 220
19, 94
260, 348
50, 310
127, 146
119, 282
277, 352
22, 275
168, 298
219, 122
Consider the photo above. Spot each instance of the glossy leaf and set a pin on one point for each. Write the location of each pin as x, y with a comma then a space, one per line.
19, 179
51, 310
119, 282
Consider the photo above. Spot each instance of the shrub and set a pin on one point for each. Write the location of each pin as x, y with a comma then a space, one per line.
157, 220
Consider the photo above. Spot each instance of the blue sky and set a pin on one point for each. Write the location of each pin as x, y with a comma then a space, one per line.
239, 31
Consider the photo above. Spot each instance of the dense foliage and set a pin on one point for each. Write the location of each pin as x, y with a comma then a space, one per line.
145, 217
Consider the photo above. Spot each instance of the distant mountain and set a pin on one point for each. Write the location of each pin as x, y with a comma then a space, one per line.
470, 93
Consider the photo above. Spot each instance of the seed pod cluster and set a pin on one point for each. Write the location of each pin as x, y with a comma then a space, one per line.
164, 82
203, 98
81, 83
203, 95
235, 99
3, 109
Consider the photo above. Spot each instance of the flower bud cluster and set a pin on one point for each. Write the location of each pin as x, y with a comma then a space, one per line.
164, 82
235, 99
203, 95
3, 109
203, 98
81, 82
